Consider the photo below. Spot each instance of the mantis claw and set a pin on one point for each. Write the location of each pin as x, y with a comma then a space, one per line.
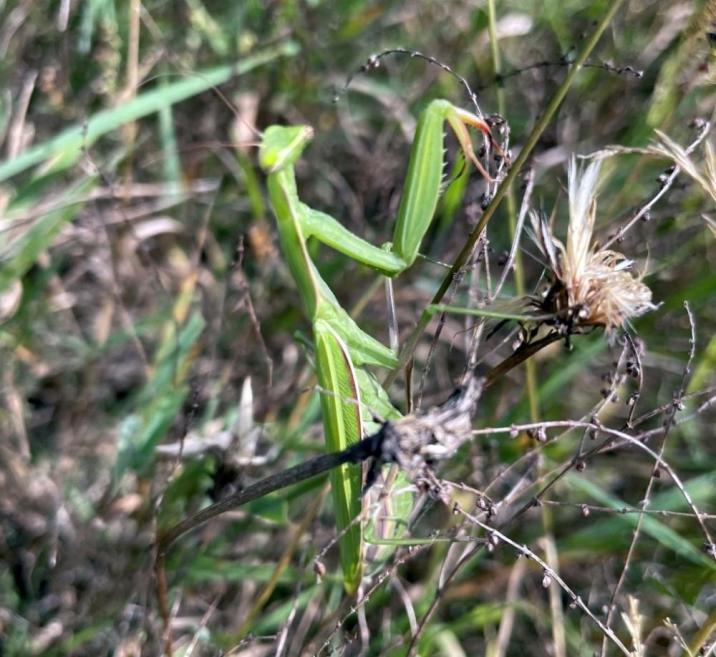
459, 122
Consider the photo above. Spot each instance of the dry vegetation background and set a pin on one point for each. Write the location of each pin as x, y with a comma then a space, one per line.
144, 305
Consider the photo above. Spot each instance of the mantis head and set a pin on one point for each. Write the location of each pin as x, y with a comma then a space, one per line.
281, 146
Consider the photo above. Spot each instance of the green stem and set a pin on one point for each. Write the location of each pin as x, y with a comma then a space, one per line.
68, 144
703, 635
529, 364
530, 371
512, 174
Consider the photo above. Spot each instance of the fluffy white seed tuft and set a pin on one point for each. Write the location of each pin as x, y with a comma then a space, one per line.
599, 287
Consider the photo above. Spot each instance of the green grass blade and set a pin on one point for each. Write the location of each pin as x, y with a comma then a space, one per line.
66, 147
612, 529
171, 164
21, 254
159, 402
483, 312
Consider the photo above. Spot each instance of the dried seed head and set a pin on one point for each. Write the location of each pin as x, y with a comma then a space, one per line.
539, 434
592, 286
546, 579
319, 568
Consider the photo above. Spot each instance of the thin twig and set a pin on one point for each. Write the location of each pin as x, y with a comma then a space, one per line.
626, 70
522, 353
374, 62
625, 510
401, 557
652, 478
659, 410
634, 399
524, 550
599, 427
524, 209
437, 599
665, 187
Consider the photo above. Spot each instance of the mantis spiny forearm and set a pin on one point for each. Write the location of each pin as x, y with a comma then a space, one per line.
340, 344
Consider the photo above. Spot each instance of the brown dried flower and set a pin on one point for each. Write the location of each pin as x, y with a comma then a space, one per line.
590, 286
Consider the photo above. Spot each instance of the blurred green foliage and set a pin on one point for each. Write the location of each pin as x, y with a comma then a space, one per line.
140, 286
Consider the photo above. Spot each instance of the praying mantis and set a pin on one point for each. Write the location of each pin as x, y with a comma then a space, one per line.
341, 346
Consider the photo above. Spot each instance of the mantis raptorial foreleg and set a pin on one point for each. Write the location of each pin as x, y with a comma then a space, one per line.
340, 344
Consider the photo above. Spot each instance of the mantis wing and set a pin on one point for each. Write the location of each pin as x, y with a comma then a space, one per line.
342, 422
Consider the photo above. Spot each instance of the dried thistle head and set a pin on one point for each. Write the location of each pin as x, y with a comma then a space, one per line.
590, 286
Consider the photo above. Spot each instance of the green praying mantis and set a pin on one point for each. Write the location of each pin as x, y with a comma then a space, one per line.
341, 346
